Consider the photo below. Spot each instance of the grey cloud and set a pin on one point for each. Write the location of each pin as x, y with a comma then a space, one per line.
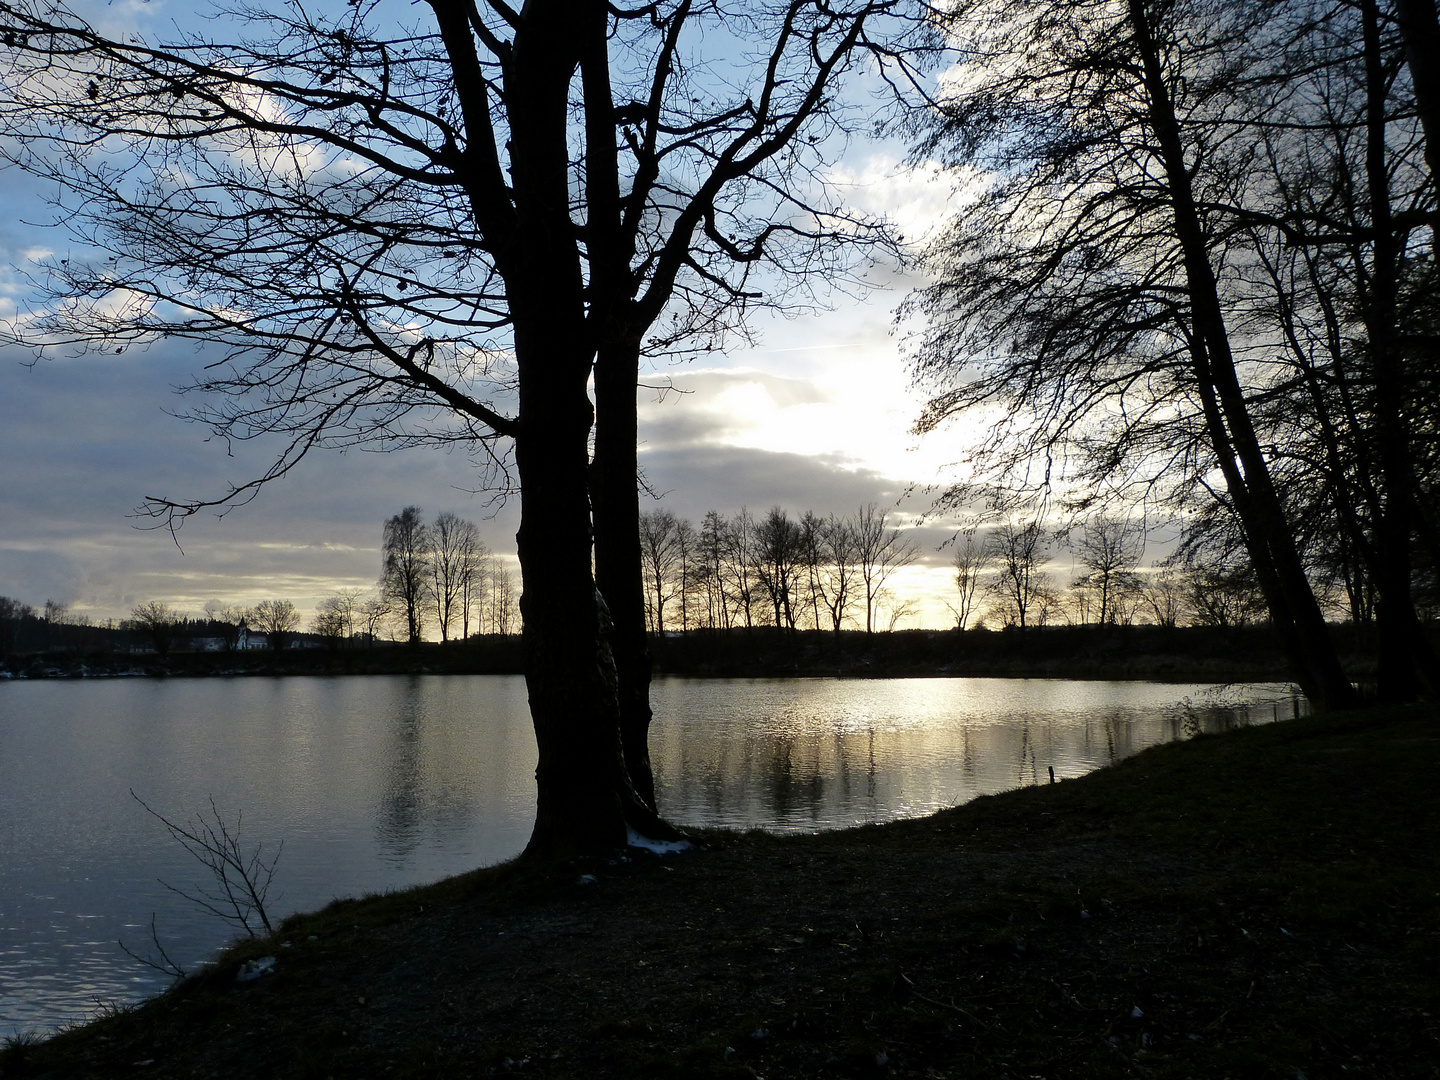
83, 441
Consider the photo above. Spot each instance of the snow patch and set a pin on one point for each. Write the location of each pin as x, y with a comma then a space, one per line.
253, 969
658, 847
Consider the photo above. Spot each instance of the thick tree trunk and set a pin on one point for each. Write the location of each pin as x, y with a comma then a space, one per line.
615, 490
1421, 32
1405, 658
586, 802
569, 672
1271, 544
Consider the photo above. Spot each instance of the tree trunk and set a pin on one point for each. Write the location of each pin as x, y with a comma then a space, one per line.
569, 671
1292, 604
585, 798
1405, 657
1421, 32
615, 489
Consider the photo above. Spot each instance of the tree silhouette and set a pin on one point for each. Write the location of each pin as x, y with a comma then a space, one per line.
406, 551
157, 622
399, 234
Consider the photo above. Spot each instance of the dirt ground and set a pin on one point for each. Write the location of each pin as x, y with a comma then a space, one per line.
1264, 903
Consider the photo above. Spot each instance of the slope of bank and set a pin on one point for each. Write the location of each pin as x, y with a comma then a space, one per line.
1258, 904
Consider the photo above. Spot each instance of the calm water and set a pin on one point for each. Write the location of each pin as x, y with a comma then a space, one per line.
380, 782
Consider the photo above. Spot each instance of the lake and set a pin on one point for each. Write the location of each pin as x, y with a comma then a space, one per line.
380, 782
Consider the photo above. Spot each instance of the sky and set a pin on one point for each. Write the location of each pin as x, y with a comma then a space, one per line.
815, 416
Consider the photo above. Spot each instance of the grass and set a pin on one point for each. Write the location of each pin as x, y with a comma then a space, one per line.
1264, 903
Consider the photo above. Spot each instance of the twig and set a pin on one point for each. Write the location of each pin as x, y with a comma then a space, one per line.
241, 883
942, 1004
164, 965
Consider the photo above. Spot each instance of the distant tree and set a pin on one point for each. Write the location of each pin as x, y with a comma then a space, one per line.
840, 570
372, 615
740, 580
1017, 551
449, 541
12, 614
777, 550
328, 624
972, 557
712, 545
1108, 552
1220, 589
1163, 592
1047, 604
471, 559
335, 616
158, 622
504, 603
225, 623
56, 612
897, 609
686, 550
404, 580
660, 557
880, 551
812, 560
277, 620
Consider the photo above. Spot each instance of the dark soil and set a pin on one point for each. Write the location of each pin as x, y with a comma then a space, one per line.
1258, 904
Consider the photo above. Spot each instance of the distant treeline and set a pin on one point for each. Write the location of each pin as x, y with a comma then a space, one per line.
152, 627
1186, 653
836, 573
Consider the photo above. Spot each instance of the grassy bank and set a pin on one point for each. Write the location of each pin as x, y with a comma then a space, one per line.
1264, 903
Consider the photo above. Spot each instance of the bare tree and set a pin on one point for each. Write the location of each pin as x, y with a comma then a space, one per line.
660, 556
740, 563
712, 545
879, 552
777, 550
226, 619
372, 616
328, 623
896, 609
404, 577
239, 881
1020, 584
335, 616
510, 201
686, 549
840, 570
505, 611
1088, 290
158, 622
445, 580
471, 556
970, 562
1109, 550
277, 620
1163, 593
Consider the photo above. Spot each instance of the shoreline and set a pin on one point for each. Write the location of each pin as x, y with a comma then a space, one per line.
1258, 903
1187, 654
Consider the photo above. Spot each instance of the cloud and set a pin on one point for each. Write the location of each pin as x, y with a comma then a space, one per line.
85, 440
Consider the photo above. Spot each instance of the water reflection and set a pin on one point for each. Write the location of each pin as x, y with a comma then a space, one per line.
380, 782
398, 822
806, 754
430, 794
